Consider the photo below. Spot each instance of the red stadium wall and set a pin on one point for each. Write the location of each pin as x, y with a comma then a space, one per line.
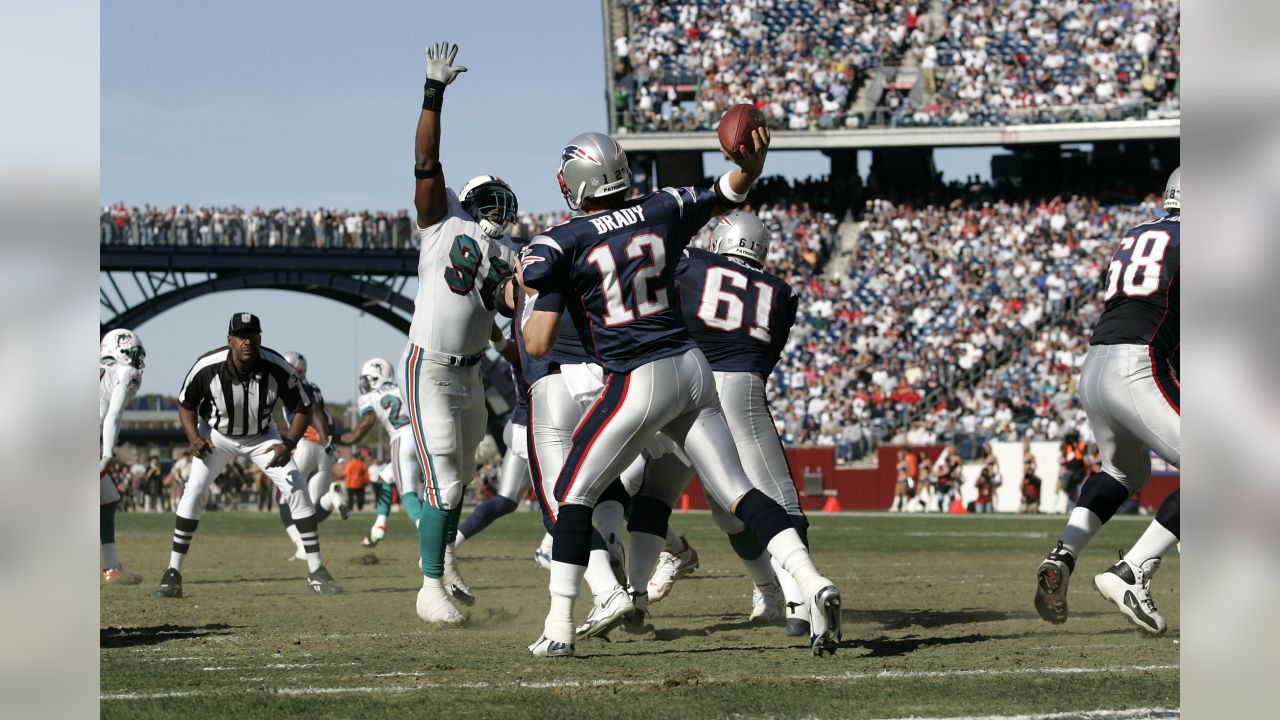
872, 488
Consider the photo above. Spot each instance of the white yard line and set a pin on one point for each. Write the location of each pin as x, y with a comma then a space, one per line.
1132, 714
558, 684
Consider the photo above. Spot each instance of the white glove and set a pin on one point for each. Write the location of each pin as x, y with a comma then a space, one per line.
440, 65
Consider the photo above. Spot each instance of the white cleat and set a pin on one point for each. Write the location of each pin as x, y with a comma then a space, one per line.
376, 533
671, 568
1129, 587
609, 614
120, 576
453, 580
548, 648
433, 605
542, 559
617, 558
767, 602
824, 634
338, 498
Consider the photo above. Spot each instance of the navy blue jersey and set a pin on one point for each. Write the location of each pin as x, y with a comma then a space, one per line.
520, 412
739, 316
614, 272
568, 349
1142, 291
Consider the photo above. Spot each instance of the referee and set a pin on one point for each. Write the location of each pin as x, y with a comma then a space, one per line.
225, 406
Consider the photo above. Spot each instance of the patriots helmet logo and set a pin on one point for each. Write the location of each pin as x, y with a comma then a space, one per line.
575, 152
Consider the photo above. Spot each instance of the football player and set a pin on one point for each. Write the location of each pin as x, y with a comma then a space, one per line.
460, 266
120, 367
314, 458
1129, 389
612, 268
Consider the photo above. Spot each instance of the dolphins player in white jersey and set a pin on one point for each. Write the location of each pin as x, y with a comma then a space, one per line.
460, 266
119, 377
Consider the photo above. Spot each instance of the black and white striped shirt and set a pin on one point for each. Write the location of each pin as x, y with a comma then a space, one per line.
241, 406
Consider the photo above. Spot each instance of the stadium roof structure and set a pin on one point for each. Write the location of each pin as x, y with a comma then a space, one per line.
1084, 132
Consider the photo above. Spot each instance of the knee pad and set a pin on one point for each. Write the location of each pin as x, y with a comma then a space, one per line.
615, 492
801, 524
572, 535
746, 545
1103, 495
1169, 514
764, 517
649, 516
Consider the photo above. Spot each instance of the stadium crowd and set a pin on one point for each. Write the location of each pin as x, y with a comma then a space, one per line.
684, 63
1025, 61
270, 227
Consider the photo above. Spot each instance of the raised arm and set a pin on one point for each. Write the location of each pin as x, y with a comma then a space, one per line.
429, 190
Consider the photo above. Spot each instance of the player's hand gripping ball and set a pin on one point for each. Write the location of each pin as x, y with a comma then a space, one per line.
736, 127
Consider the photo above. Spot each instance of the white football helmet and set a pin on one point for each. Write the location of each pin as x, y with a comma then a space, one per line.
490, 202
592, 165
375, 373
125, 346
741, 234
298, 362
1173, 191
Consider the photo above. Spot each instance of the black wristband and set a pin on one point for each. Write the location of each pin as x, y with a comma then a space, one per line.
426, 174
289, 443
433, 95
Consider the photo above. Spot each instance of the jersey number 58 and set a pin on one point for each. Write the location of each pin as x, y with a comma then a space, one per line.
1142, 255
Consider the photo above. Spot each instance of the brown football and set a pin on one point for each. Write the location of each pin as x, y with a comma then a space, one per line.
737, 124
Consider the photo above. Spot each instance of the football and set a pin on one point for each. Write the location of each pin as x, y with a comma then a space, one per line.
737, 124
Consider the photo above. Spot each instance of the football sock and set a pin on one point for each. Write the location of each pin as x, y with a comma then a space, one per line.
431, 532
184, 529
559, 623
608, 519
383, 495
292, 531
675, 545
484, 515
801, 524
310, 541
599, 574
790, 589
1082, 525
794, 558
1160, 536
451, 526
411, 505
643, 557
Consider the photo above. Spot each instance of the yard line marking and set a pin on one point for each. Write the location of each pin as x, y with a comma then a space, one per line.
558, 684
977, 533
1131, 714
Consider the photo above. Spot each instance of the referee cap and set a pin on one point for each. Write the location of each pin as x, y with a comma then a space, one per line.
244, 324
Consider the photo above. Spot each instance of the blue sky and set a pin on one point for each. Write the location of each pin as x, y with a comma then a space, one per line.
314, 103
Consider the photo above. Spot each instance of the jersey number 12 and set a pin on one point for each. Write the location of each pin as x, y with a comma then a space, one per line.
647, 300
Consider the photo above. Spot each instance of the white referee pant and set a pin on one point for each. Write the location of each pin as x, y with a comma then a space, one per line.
287, 479
675, 395
448, 417
1131, 416
316, 466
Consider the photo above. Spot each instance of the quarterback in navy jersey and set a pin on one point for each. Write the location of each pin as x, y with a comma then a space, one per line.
1129, 390
613, 268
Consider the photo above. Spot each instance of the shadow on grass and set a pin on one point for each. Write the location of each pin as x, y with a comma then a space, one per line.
902, 619
120, 637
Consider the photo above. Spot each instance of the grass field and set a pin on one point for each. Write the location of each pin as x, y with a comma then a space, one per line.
937, 623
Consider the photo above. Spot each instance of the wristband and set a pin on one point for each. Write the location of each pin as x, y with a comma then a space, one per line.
426, 174
289, 443
727, 194
433, 95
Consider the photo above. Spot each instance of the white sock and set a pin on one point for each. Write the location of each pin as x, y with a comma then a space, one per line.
790, 590
545, 545
294, 535
314, 562
642, 558
109, 557
792, 555
607, 517
380, 521
760, 569
1154, 543
175, 560
457, 541
599, 575
565, 578
675, 545
1082, 525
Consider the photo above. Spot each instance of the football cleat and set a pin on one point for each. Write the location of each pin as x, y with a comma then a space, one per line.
322, 582
546, 647
607, 615
797, 619
433, 605
638, 622
825, 632
120, 576
339, 500
1129, 587
1051, 584
767, 602
376, 533
170, 585
671, 568
542, 559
